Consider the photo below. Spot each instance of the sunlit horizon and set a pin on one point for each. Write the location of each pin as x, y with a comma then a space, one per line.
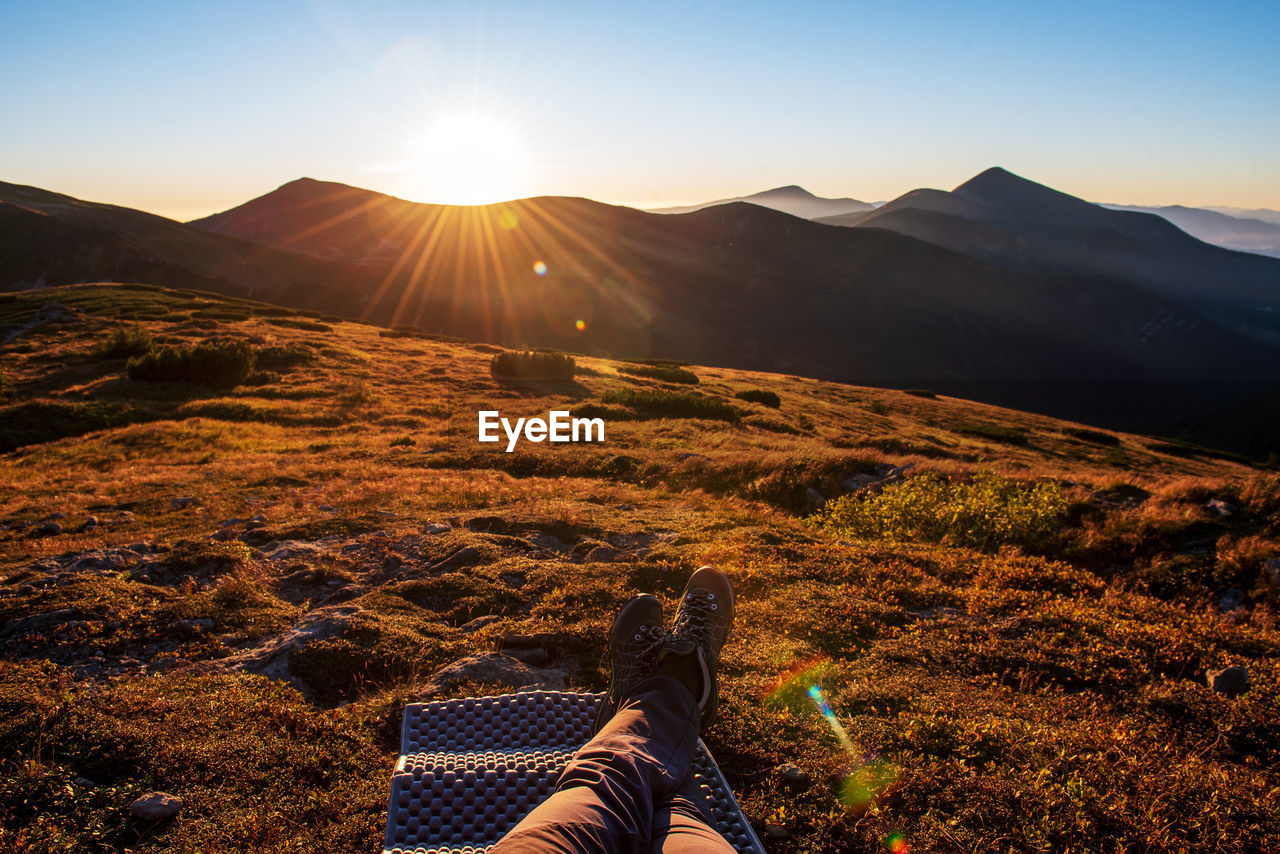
201, 109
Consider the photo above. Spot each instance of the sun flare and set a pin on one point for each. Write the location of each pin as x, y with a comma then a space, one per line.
469, 159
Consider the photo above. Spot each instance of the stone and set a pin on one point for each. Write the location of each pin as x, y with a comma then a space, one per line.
1221, 507
495, 669
479, 623
860, 481
1232, 600
48, 529
1229, 681
197, 626
185, 501
156, 806
89, 524
793, 776
1272, 567
775, 830
436, 528
601, 554
140, 549
83, 782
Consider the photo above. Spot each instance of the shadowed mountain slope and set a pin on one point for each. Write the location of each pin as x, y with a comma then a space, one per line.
794, 200
1007, 220
1243, 234
50, 239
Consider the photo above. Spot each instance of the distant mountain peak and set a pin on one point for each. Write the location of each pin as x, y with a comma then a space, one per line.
999, 187
789, 190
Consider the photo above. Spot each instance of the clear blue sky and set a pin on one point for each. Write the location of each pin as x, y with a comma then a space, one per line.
189, 107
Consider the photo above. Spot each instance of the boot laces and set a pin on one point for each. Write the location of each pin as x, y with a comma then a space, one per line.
696, 616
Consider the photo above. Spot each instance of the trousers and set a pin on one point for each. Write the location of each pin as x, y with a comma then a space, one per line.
630, 789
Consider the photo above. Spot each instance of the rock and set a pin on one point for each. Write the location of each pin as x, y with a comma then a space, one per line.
1230, 681
775, 830
292, 550
271, 658
83, 782
494, 669
1221, 507
185, 501
48, 529
89, 524
860, 481
140, 549
156, 806
56, 517
793, 776
479, 623
1232, 600
601, 554
1272, 568
436, 528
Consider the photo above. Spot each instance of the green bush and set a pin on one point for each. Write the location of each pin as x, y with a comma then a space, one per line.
532, 365
985, 512
305, 325
283, 358
40, 421
664, 373
993, 432
759, 395
218, 364
1097, 437
125, 341
654, 403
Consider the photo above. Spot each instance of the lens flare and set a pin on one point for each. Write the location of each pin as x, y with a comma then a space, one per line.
896, 843
580, 325
799, 690
540, 268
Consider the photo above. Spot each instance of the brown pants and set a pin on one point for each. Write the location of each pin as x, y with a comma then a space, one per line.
629, 789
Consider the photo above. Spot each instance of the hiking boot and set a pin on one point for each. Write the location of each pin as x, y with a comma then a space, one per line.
636, 639
701, 627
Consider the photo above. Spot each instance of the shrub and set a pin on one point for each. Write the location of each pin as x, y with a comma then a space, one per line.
125, 341
654, 403
44, 421
1097, 437
759, 395
993, 432
283, 358
532, 365
305, 325
664, 373
218, 364
414, 332
985, 512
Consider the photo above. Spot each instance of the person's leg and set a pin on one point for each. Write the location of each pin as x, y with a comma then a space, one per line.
604, 800
681, 826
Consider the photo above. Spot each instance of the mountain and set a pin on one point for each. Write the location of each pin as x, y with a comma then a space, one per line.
736, 285
794, 200
50, 239
1233, 232
1264, 214
1007, 220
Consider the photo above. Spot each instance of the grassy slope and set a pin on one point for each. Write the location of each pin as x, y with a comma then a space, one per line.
1044, 698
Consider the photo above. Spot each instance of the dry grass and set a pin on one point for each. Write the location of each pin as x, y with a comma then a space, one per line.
1037, 693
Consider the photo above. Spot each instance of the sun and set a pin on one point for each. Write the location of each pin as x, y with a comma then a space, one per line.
468, 159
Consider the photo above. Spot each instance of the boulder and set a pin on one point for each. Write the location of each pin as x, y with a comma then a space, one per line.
1229, 681
496, 669
156, 806
1221, 507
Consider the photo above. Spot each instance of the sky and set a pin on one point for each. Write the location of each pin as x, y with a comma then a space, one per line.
188, 108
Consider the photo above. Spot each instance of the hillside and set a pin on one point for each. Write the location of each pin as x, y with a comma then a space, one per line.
1234, 232
51, 239
1005, 219
794, 200
735, 285
229, 593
